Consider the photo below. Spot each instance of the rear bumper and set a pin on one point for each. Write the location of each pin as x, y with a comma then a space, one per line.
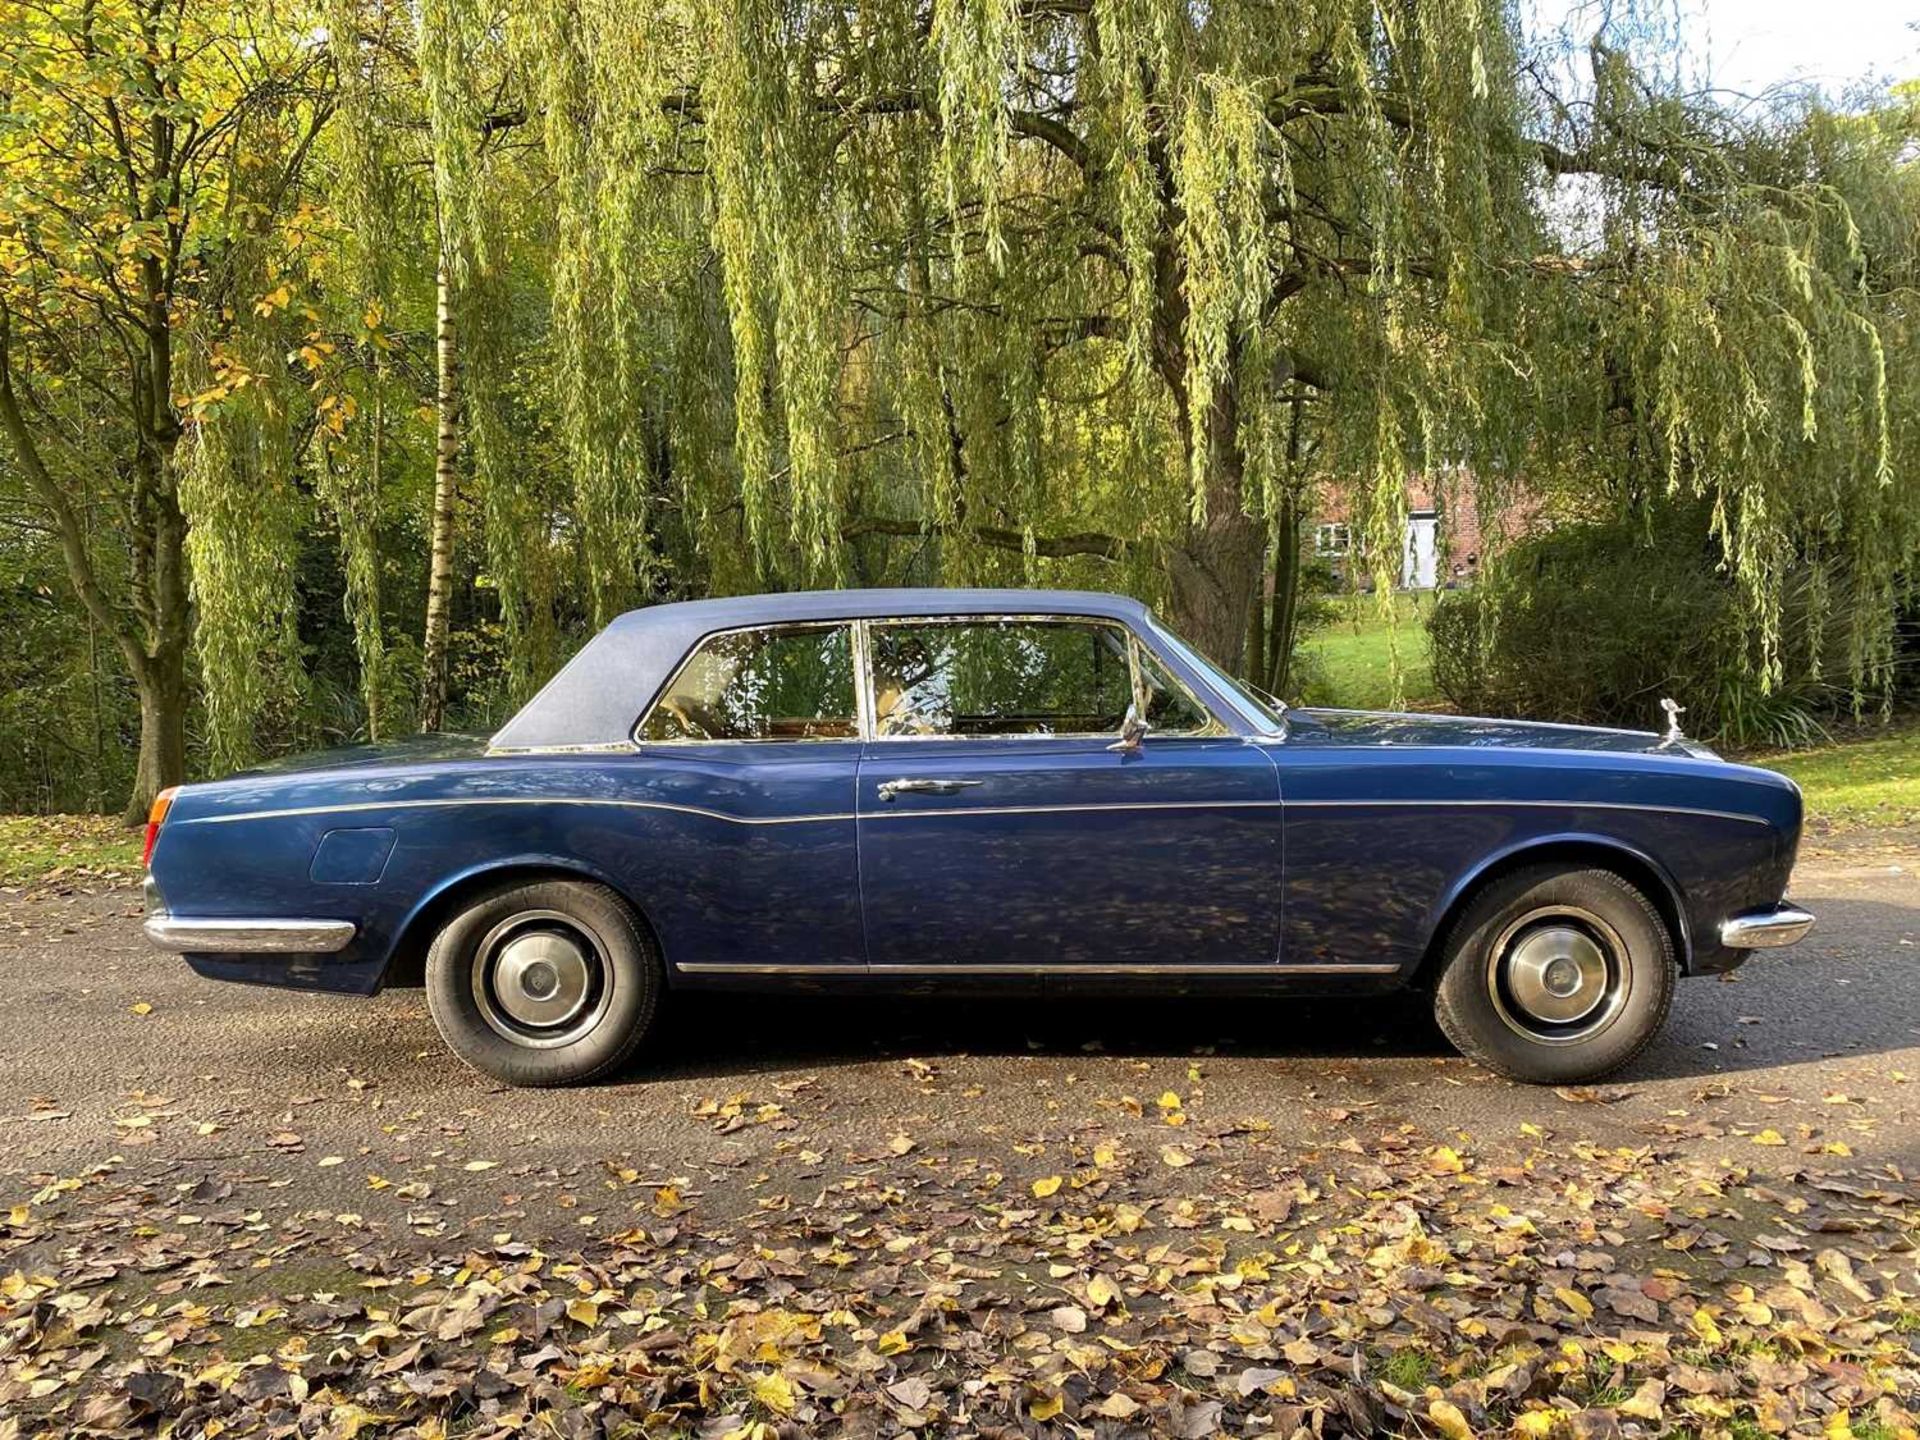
241, 935
249, 936
1770, 929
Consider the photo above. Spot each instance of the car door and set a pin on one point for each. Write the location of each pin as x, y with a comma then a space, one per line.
743, 795
1001, 830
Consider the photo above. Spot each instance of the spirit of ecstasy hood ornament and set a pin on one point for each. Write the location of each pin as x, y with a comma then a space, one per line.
1674, 711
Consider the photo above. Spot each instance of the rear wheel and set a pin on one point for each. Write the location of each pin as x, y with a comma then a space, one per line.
550, 982
1555, 975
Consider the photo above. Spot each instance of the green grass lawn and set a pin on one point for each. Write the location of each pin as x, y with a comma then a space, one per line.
1869, 779
38, 848
1350, 662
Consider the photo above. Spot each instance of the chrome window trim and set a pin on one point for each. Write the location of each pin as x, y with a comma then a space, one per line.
1173, 649
850, 625
863, 680
1211, 729
860, 628
604, 747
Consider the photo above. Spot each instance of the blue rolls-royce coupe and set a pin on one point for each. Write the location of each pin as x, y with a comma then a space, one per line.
948, 788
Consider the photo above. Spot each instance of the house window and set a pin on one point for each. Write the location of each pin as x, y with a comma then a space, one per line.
1331, 540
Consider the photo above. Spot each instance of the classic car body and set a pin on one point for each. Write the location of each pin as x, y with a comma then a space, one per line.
1238, 847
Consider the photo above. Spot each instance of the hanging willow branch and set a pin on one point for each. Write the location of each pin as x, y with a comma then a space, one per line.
1095, 262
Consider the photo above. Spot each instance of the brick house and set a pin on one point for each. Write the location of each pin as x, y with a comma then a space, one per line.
1444, 539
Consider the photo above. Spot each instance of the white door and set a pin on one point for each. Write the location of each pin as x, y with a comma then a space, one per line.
1420, 564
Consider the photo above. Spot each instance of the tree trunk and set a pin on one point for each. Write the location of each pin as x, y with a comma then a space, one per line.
433, 688
373, 679
1284, 622
162, 686
154, 638
1215, 569
1214, 573
1258, 614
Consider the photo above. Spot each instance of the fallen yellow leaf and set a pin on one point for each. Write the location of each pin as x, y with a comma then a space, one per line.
1448, 1420
1574, 1301
774, 1391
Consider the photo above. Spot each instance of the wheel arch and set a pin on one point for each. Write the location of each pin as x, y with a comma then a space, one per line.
1602, 852
406, 962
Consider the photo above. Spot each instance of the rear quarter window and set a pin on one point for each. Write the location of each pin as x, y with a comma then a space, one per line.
769, 683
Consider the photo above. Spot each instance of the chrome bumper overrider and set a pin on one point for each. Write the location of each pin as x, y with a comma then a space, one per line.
1766, 929
249, 937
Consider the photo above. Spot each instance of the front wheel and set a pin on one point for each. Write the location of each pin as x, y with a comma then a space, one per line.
1555, 975
539, 983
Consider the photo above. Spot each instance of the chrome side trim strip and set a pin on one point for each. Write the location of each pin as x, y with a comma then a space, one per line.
1531, 805
961, 810
1766, 929
250, 936
361, 805
353, 807
1258, 967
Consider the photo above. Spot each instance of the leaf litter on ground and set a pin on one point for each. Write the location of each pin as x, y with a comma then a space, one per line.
1089, 1281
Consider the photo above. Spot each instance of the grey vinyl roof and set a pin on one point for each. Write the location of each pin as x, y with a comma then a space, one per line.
597, 696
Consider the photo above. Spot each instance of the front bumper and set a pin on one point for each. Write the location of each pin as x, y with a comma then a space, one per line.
1769, 929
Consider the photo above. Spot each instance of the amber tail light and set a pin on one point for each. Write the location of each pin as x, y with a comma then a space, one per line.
156, 817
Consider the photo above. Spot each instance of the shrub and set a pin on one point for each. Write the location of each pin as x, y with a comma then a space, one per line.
1595, 623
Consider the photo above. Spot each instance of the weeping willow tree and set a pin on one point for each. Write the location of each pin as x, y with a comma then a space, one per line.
1107, 289
1033, 282
429, 220
1732, 323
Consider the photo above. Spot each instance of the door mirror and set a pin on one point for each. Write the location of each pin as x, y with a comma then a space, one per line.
1133, 730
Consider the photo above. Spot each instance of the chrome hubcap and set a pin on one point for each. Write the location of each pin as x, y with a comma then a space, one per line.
539, 980
1558, 975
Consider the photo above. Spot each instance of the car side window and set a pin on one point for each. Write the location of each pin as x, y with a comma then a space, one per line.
780, 683
1170, 708
1000, 677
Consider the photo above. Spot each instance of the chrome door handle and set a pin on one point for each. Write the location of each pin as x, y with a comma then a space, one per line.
891, 788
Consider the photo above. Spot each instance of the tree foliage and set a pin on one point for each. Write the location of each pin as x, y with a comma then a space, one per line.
1113, 292
153, 157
